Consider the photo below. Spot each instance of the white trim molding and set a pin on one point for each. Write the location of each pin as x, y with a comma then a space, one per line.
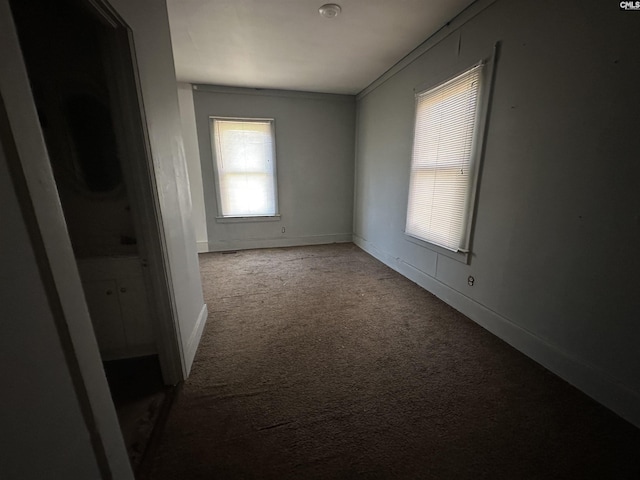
250, 243
194, 338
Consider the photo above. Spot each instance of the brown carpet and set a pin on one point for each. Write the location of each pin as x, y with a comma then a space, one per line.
321, 362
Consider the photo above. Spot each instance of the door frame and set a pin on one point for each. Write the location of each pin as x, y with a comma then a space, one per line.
43, 211
36, 188
139, 171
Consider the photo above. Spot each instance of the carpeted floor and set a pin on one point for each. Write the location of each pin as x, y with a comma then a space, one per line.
320, 363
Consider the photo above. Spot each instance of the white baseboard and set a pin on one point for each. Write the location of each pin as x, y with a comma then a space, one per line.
194, 338
588, 378
249, 243
202, 246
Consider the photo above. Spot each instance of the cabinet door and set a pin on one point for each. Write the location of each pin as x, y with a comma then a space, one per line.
135, 315
104, 308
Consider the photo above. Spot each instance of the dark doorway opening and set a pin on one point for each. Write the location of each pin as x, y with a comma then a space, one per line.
66, 51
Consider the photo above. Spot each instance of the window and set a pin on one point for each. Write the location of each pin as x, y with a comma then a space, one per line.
442, 164
245, 170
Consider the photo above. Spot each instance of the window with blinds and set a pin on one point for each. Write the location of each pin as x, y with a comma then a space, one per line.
244, 160
442, 161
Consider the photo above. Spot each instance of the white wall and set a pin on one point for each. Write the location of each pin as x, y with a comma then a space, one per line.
150, 25
557, 213
314, 161
192, 154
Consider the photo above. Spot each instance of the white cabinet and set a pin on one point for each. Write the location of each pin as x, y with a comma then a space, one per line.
118, 305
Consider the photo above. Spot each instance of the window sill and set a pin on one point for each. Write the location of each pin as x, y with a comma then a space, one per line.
462, 257
265, 218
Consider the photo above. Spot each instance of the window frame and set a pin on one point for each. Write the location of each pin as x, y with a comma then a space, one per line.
220, 217
485, 89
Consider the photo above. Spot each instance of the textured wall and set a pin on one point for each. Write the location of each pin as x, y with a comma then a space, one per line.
557, 210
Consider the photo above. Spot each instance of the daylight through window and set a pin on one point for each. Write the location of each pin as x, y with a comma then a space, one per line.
244, 151
442, 161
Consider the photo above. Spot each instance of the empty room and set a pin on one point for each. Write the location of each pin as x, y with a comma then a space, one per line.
363, 239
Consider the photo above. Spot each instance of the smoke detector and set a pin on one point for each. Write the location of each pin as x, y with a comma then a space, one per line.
330, 10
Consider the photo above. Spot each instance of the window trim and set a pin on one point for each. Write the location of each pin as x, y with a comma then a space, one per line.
254, 218
485, 94
220, 217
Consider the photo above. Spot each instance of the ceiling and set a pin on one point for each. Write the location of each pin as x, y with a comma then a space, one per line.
287, 44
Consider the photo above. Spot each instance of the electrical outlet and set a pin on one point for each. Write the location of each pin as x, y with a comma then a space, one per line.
471, 281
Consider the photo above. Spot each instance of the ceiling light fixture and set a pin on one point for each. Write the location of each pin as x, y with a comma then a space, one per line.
330, 10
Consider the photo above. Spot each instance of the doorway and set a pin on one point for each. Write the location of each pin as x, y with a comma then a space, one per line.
73, 64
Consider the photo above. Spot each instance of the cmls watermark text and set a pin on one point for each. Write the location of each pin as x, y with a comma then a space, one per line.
629, 5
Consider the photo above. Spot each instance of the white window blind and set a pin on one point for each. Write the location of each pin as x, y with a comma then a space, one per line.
244, 151
441, 163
